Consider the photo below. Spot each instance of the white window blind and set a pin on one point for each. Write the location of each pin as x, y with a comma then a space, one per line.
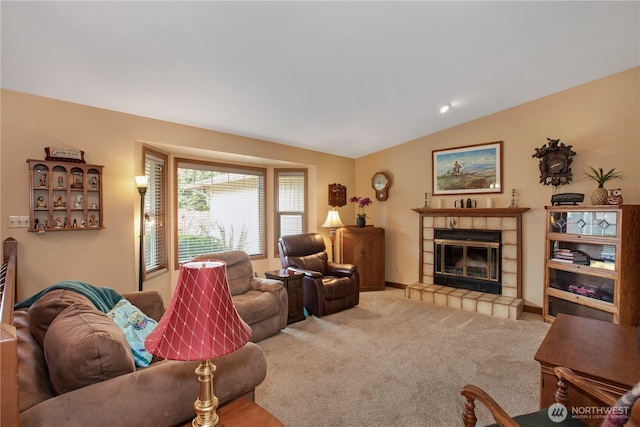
155, 237
291, 188
220, 207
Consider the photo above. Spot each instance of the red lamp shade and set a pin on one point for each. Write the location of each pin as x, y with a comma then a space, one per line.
201, 321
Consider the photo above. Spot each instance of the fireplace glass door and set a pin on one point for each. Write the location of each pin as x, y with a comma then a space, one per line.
477, 260
468, 264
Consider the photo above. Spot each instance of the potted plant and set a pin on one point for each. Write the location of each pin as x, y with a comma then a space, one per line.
599, 195
361, 216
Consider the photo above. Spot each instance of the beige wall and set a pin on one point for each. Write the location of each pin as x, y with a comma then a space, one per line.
600, 120
109, 257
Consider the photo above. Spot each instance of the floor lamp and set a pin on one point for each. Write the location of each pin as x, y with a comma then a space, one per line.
141, 183
333, 221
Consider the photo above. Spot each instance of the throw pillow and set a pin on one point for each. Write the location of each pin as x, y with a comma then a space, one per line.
136, 326
83, 346
47, 307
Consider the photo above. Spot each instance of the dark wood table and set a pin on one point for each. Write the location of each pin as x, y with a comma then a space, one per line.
605, 354
243, 413
293, 282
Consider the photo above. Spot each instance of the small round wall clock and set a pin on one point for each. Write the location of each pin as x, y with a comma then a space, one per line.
380, 183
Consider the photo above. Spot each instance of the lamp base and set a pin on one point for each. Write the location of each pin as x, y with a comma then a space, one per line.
207, 402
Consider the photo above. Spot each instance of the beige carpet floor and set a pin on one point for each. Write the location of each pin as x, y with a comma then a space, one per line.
398, 362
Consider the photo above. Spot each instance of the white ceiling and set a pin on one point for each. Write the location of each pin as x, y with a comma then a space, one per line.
348, 78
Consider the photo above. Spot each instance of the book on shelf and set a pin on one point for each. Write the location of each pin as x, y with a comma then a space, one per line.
607, 265
608, 253
568, 255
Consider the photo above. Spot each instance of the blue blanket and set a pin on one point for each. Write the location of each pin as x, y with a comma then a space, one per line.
103, 298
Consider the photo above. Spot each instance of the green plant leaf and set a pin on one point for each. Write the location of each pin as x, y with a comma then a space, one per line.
599, 176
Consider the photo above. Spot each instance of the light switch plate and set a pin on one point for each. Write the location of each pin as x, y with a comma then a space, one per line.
17, 221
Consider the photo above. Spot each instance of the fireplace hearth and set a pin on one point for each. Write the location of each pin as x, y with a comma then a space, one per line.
508, 221
468, 259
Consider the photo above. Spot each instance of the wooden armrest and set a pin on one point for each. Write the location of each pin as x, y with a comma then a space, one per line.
567, 374
471, 393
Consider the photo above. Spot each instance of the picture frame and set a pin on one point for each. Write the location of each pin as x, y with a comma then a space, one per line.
470, 169
64, 155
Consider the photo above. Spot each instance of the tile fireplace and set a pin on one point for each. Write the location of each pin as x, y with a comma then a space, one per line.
471, 259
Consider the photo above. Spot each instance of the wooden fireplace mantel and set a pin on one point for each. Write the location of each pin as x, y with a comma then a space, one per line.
472, 211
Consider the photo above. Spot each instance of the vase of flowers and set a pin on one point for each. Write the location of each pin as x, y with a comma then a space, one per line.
599, 195
361, 216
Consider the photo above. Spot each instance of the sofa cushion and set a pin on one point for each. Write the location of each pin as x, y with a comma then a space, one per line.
150, 302
83, 346
256, 306
136, 326
47, 307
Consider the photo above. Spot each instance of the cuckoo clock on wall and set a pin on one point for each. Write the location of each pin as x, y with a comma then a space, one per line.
555, 162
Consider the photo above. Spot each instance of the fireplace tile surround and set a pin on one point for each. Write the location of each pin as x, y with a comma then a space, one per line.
509, 304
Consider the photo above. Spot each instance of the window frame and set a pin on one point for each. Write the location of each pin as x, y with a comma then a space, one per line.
180, 162
276, 203
160, 219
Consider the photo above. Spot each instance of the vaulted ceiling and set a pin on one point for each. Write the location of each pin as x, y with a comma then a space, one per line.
348, 78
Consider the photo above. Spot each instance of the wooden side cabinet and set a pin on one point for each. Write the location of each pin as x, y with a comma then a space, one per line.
601, 353
64, 196
364, 247
293, 282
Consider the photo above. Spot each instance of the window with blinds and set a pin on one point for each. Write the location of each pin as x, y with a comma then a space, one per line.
220, 207
291, 202
155, 235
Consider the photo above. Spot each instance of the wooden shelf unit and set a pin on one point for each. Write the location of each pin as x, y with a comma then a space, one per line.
65, 196
592, 266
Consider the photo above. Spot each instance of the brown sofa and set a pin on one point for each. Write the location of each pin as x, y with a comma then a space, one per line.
262, 303
327, 287
159, 395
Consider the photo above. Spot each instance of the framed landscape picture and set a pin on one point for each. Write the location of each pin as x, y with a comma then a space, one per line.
472, 169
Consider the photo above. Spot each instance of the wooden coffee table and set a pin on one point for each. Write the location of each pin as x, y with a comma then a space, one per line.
242, 413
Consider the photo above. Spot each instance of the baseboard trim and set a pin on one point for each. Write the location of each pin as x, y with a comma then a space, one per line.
395, 285
532, 309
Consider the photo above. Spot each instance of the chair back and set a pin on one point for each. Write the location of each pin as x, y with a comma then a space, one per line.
239, 269
305, 251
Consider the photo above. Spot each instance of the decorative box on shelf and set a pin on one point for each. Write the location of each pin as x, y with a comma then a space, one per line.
64, 196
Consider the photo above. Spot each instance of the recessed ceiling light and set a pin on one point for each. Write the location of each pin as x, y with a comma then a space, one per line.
445, 108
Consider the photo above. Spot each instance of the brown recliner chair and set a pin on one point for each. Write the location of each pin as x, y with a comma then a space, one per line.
327, 287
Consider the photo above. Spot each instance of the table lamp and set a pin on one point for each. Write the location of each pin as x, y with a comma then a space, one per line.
200, 323
333, 221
